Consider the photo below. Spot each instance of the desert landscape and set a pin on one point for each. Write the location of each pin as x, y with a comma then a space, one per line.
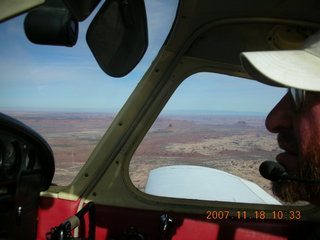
72, 137
235, 143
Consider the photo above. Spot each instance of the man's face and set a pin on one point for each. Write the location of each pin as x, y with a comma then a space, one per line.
299, 137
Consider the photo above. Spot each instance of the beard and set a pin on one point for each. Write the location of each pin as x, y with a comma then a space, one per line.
308, 167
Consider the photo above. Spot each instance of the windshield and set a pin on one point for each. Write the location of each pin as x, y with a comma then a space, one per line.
210, 134
63, 94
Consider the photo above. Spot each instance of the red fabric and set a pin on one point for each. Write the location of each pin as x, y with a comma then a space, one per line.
191, 229
247, 234
52, 212
114, 222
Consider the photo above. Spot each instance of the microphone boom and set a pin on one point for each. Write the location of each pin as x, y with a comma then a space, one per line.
275, 172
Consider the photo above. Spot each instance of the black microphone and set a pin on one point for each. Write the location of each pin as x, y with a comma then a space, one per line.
272, 171
275, 172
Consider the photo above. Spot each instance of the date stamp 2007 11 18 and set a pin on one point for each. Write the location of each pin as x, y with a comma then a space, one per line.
257, 214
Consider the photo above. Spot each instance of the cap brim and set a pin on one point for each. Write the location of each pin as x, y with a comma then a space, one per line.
292, 68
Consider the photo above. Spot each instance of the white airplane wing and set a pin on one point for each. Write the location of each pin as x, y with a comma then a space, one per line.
194, 182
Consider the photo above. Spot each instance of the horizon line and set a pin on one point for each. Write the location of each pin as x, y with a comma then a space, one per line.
115, 110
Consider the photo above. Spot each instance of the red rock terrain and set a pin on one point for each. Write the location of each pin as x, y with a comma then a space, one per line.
235, 144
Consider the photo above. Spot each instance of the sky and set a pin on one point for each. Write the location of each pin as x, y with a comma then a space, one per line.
37, 77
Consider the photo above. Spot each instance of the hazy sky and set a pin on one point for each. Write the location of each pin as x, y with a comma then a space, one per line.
61, 78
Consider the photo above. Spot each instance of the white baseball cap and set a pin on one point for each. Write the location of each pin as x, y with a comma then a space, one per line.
287, 68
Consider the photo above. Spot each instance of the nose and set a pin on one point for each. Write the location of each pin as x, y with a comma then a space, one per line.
281, 116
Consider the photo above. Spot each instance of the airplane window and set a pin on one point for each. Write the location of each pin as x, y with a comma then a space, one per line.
209, 141
63, 94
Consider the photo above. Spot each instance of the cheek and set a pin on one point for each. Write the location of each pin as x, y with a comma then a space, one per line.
308, 128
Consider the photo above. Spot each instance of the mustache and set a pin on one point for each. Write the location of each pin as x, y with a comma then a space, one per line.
287, 141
